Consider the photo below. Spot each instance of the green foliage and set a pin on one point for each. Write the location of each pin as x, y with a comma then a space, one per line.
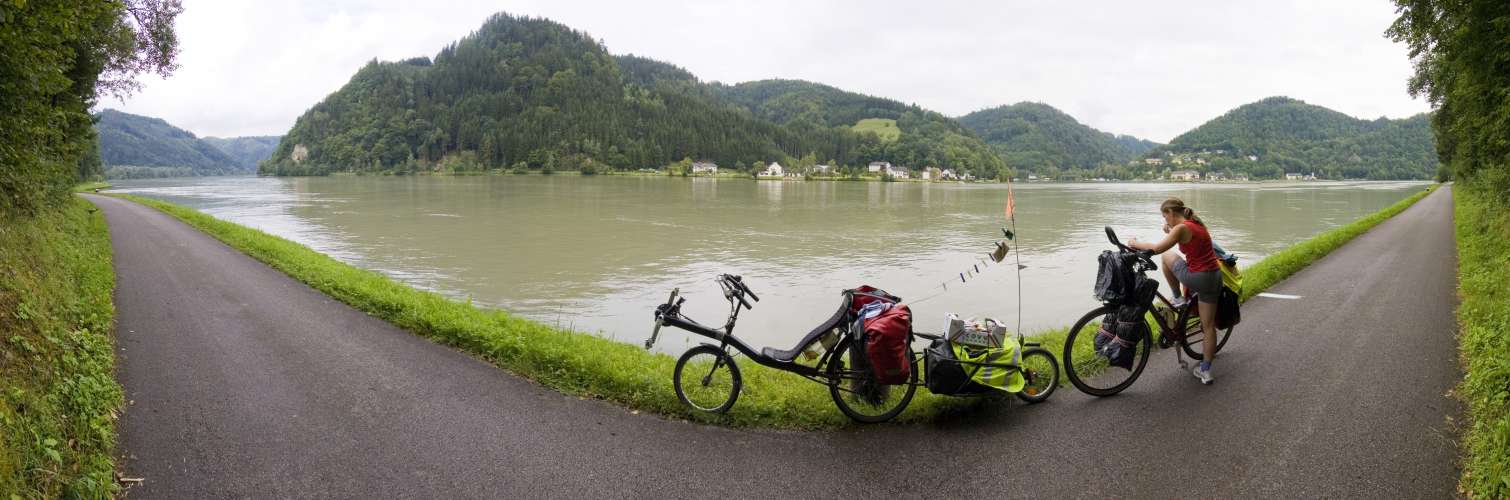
1290, 136
246, 151
53, 57
58, 394
1035, 137
526, 89
923, 138
1483, 229
1461, 50
885, 128
141, 141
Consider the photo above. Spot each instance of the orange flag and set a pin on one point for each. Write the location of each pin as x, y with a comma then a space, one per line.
1011, 203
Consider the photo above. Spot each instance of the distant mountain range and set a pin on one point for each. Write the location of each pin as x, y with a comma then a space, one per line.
141, 146
531, 94
1034, 136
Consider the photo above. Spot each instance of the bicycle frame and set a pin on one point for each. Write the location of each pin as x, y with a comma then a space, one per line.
669, 314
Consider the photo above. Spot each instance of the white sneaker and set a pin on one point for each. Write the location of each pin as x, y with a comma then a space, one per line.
1204, 375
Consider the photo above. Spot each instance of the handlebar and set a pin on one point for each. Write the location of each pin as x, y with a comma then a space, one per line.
735, 288
1145, 255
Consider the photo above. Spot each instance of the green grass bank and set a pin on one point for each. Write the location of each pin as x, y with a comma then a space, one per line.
590, 366
1483, 234
60, 398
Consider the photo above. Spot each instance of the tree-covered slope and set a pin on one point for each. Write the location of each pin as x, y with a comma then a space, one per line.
523, 92
926, 138
1037, 137
246, 150
140, 141
1290, 136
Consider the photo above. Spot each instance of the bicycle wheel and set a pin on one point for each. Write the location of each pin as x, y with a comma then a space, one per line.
856, 391
1093, 373
1042, 373
707, 379
1194, 336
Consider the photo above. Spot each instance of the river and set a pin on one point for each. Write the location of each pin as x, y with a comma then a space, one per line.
596, 254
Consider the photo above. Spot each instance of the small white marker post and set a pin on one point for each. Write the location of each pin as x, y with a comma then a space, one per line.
1278, 296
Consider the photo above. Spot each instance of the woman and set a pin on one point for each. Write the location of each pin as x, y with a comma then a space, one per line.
1197, 270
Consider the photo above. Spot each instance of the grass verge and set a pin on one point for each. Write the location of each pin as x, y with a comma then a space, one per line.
1483, 237
590, 366
58, 394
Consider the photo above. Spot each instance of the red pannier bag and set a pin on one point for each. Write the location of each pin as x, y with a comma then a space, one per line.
886, 344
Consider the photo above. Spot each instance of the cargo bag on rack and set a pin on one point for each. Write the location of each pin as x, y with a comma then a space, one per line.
884, 329
954, 370
1118, 337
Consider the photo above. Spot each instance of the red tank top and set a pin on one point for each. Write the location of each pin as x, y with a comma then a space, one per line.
1199, 256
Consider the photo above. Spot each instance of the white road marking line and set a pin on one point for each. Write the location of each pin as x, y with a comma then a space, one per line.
1278, 296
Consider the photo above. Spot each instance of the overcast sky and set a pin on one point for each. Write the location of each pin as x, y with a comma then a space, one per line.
1151, 69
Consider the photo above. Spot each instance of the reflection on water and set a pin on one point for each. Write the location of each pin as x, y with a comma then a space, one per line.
596, 253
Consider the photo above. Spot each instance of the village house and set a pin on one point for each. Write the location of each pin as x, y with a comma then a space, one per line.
897, 172
1153, 161
1200, 161
1240, 177
932, 174
1252, 157
1178, 160
773, 170
1294, 177
948, 175
1215, 176
878, 167
821, 170
704, 167
1184, 175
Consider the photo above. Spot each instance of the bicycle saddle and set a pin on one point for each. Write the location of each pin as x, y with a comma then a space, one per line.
788, 355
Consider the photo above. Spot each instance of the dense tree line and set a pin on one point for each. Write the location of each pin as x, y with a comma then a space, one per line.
1461, 51
140, 141
1038, 138
54, 58
1290, 136
531, 93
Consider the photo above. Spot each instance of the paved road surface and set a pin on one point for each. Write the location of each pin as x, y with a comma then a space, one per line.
245, 383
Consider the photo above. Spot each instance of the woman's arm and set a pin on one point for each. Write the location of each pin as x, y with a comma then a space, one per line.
1175, 235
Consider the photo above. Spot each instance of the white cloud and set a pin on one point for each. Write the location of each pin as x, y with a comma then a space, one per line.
1151, 69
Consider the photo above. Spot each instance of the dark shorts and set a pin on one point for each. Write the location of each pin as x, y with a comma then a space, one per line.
1207, 285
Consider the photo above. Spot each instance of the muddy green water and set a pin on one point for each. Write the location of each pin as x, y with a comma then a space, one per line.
597, 253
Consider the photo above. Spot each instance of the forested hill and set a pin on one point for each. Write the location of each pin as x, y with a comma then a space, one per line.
531, 93
247, 150
141, 146
1280, 135
1039, 138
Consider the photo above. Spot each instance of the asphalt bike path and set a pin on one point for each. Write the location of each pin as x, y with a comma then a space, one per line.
242, 382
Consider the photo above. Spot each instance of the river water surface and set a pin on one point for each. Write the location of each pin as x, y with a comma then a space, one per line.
597, 253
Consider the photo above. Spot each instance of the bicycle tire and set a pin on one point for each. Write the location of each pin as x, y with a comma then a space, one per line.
1033, 371
715, 405
850, 400
1073, 366
1191, 348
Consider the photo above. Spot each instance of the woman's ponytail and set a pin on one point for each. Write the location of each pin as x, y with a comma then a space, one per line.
1177, 205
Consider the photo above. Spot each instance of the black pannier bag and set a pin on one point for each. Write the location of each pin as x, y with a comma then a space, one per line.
1120, 332
1142, 295
946, 375
1113, 277
1228, 312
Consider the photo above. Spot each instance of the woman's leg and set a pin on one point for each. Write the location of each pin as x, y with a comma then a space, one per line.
1174, 283
1207, 310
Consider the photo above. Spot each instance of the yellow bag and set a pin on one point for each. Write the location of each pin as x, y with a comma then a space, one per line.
1231, 278
997, 377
